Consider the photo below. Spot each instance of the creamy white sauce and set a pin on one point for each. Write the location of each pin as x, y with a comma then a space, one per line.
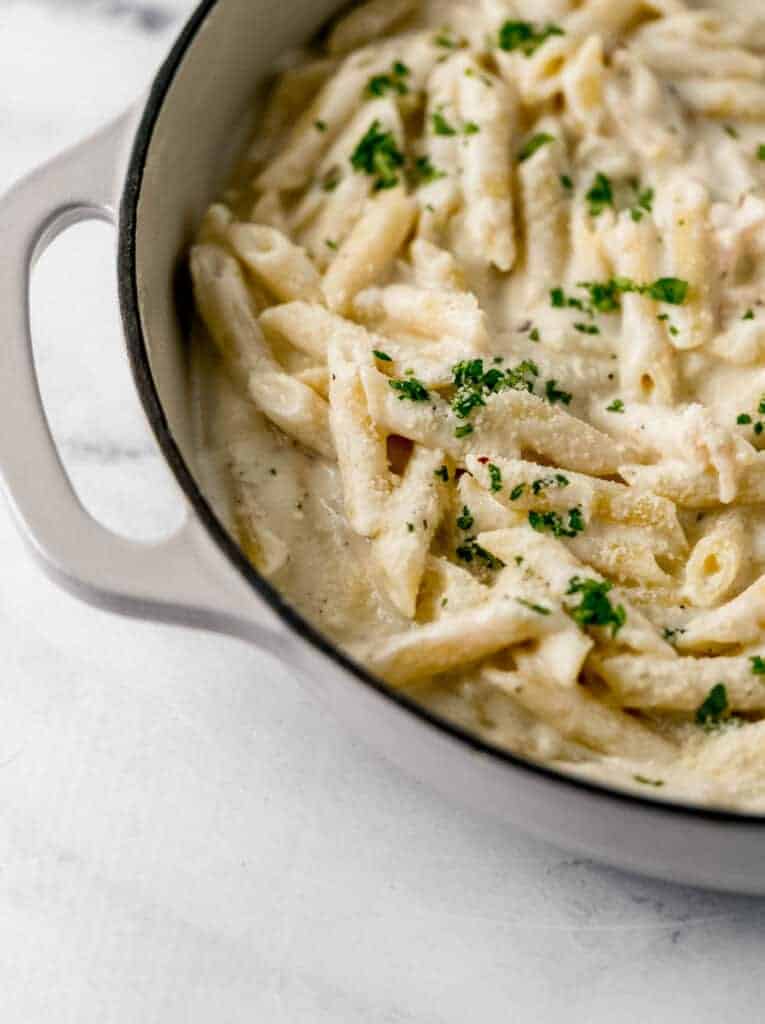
291, 501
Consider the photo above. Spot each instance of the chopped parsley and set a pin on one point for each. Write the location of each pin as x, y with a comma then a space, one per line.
471, 550
730, 130
616, 406
543, 482
743, 418
758, 428
648, 782
710, 713
538, 608
473, 383
445, 39
424, 172
381, 85
749, 315
534, 335
331, 180
530, 147
495, 476
758, 665
517, 492
382, 356
378, 155
670, 634
441, 126
410, 527
761, 151
600, 195
465, 430
331, 244
566, 182
523, 36
320, 126
595, 608
643, 203
470, 128
522, 377
667, 289
553, 393
410, 389
605, 296
466, 520
587, 328
551, 521
443, 474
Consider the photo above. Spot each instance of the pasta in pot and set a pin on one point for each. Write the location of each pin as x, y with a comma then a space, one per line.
482, 322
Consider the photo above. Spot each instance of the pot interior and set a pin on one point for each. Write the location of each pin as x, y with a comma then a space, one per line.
199, 125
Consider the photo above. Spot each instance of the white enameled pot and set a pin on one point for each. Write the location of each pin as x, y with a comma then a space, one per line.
153, 174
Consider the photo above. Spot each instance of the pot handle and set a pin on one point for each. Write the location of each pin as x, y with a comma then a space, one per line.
184, 579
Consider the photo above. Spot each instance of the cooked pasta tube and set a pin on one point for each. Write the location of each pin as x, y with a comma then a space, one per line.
412, 515
577, 715
683, 684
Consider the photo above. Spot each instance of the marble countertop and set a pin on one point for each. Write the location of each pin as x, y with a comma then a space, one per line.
185, 836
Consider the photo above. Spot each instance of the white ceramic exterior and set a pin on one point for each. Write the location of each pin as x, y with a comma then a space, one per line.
181, 148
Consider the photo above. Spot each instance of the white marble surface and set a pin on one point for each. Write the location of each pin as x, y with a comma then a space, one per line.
185, 837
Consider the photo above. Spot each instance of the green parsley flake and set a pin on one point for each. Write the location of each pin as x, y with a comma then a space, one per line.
587, 328
410, 527
758, 428
743, 419
517, 492
410, 389
551, 521
544, 482
670, 634
320, 126
470, 128
331, 244
761, 151
380, 85
648, 782
534, 335
643, 203
595, 608
382, 356
464, 431
378, 155
711, 712
616, 406
471, 550
466, 520
472, 383
495, 475
530, 147
441, 126
553, 393
730, 130
423, 172
538, 608
758, 665
600, 195
445, 39
668, 289
523, 36
331, 180
443, 474
567, 183
749, 315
